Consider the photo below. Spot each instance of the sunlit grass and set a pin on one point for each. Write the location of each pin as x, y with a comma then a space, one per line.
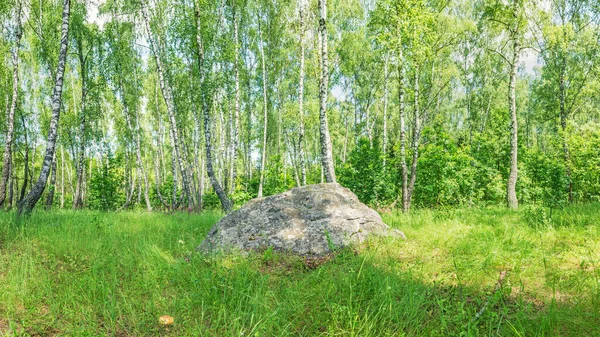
87, 273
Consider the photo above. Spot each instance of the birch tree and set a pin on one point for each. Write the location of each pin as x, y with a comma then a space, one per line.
511, 19
325, 139
27, 204
10, 118
168, 97
301, 156
206, 81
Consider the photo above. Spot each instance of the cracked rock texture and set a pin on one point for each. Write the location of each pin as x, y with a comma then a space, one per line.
310, 220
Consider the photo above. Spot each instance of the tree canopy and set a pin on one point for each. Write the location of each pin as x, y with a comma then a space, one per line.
173, 105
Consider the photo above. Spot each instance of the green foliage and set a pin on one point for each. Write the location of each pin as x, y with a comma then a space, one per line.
447, 174
240, 196
585, 156
105, 190
458, 51
363, 173
547, 179
210, 201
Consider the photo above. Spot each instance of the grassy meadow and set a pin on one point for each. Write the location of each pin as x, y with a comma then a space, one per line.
463, 272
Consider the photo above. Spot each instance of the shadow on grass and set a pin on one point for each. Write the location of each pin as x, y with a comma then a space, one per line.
98, 274
359, 295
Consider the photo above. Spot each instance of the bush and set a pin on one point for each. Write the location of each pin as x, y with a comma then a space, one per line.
105, 190
364, 174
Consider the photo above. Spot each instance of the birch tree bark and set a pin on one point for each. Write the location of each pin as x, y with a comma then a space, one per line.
206, 107
415, 142
236, 117
403, 167
326, 147
138, 152
10, 119
78, 197
511, 185
9, 203
301, 159
168, 97
198, 165
563, 121
50, 196
26, 164
263, 154
385, 107
62, 177
27, 204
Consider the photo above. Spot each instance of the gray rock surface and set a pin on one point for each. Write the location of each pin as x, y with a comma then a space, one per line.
310, 221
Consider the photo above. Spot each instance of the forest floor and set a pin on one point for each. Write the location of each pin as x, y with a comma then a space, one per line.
468, 272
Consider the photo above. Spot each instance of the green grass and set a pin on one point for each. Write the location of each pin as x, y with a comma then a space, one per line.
94, 274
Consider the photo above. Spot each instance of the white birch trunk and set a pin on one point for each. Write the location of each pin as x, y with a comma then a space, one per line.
326, 147
301, 159
511, 185
263, 155
168, 96
27, 204
10, 119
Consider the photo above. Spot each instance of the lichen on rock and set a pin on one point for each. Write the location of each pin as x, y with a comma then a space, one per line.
312, 220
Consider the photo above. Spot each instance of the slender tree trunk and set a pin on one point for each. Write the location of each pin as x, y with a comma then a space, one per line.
87, 176
403, 167
80, 165
138, 152
129, 185
368, 125
263, 156
25, 172
143, 169
50, 195
201, 183
70, 178
345, 136
8, 103
326, 147
236, 116
62, 177
416, 141
302, 160
249, 162
27, 204
33, 152
168, 96
11, 188
78, 197
10, 119
17, 192
140, 186
469, 113
511, 186
221, 149
225, 202
175, 181
563, 125
157, 181
198, 161
356, 118
278, 105
206, 106
296, 175
385, 107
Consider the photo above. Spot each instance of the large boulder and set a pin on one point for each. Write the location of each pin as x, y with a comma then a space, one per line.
309, 221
